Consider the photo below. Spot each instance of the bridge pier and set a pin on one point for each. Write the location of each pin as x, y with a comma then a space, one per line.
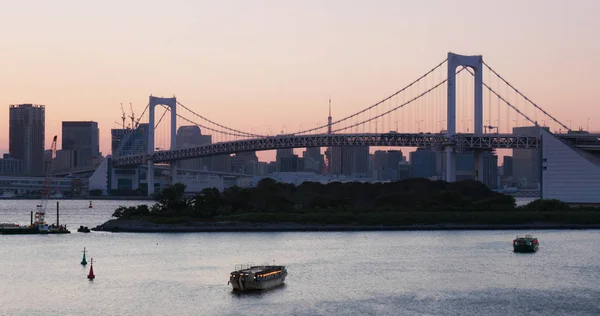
450, 164
150, 177
478, 165
173, 172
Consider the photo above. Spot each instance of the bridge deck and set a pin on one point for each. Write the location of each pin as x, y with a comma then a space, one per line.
434, 141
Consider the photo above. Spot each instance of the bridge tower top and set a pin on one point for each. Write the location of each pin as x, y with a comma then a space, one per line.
172, 104
476, 63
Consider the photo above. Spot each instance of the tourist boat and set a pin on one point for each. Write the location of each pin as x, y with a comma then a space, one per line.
263, 277
525, 244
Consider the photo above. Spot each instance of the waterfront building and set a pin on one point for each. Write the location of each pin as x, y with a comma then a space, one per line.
10, 165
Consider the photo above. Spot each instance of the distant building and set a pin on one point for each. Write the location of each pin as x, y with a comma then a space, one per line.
64, 160
350, 161
403, 170
527, 163
289, 164
423, 163
313, 160
507, 166
244, 162
26, 138
191, 136
280, 155
10, 165
129, 141
385, 164
84, 140
490, 170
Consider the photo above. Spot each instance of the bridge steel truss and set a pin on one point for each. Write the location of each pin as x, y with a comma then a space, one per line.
458, 142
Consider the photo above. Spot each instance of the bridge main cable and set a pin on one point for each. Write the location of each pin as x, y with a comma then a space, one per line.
526, 98
209, 128
238, 132
376, 104
398, 106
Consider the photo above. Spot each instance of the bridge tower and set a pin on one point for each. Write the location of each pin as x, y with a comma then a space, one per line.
172, 104
475, 63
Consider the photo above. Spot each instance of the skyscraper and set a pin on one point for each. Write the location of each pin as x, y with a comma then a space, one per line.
26, 136
83, 139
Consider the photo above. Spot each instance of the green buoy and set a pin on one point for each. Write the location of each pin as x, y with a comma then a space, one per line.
83, 261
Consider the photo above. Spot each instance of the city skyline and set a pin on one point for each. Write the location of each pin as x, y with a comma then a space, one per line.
241, 64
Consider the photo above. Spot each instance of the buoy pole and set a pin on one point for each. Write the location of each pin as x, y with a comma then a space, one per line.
57, 215
83, 261
91, 275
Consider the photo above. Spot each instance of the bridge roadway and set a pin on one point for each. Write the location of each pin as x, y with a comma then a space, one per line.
585, 141
426, 140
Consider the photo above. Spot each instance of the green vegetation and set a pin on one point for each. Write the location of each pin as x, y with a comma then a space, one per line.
407, 202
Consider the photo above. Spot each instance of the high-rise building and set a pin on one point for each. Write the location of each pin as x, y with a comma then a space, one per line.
26, 136
83, 138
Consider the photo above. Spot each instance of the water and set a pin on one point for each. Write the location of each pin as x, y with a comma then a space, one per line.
330, 273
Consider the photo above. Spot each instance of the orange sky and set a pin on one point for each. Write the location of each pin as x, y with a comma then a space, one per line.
251, 65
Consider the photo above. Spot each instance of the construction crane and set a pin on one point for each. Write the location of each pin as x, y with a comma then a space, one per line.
123, 117
132, 117
47, 182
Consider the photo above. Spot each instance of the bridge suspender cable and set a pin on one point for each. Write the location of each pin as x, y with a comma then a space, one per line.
526, 98
241, 133
212, 129
505, 101
398, 106
376, 104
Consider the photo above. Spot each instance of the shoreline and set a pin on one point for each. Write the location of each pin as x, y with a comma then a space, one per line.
90, 198
139, 226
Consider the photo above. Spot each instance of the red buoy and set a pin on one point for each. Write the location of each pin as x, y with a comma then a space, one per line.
91, 275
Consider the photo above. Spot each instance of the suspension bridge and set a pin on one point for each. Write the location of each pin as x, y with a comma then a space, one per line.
432, 111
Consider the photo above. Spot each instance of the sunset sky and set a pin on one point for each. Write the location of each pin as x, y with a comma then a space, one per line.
253, 64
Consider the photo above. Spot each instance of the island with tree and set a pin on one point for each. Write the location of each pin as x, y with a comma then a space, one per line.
412, 204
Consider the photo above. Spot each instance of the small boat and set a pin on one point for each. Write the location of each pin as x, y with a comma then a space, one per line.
263, 277
528, 243
83, 229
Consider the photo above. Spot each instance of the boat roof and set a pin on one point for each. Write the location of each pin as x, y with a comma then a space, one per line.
527, 236
257, 269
